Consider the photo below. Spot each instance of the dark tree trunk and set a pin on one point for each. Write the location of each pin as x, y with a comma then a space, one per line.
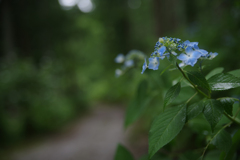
7, 29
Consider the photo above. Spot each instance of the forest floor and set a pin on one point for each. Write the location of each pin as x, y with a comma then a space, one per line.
92, 137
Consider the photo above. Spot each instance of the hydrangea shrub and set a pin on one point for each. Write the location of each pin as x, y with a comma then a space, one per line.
168, 123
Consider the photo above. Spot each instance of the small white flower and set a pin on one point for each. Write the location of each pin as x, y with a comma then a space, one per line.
118, 72
129, 63
120, 58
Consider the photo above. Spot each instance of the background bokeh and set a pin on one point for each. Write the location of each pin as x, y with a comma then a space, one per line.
57, 56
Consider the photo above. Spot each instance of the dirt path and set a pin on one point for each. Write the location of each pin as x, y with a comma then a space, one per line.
94, 137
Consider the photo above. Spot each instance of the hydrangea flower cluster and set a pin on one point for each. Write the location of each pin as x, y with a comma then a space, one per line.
187, 52
128, 61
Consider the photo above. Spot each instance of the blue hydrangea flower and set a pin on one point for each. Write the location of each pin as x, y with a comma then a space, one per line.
155, 53
120, 58
162, 57
158, 44
212, 55
191, 56
166, 46
190, 44
144, 67
202, 51
178, 40
168, 54
129, 63
161, 50
153, 63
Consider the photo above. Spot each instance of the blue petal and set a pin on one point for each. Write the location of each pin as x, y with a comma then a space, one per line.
153, 63
186, 42
161, 50
174, 53
183, 57
189, 50
168, 54
195, 47
144, 66
196, 54
203, 52
192, 44
213, 55
191, 61
162, 57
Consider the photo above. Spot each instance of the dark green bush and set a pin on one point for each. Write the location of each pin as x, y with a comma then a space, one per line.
35, 100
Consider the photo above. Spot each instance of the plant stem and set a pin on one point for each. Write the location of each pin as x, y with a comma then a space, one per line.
191, 82
200, 65
165, 69
214, 137
191, 97
207, 96
237, 111
232, 119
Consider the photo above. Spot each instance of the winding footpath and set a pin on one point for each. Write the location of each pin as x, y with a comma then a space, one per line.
94, 137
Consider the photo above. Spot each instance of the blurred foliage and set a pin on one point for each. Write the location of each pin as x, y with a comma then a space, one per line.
35, 100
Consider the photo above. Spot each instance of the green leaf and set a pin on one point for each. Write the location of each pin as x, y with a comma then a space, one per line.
155, 157
213, 112
236, 73
200, 158
212, 155
222, 156
142, 90
137, 106
200, 125
172, 94
132, 113
136, 109
122, 153
189, 155
227, 103
222, 140
194, 110
184, 82
235, 145
214, 71
223, 81
165, 127
198, 79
